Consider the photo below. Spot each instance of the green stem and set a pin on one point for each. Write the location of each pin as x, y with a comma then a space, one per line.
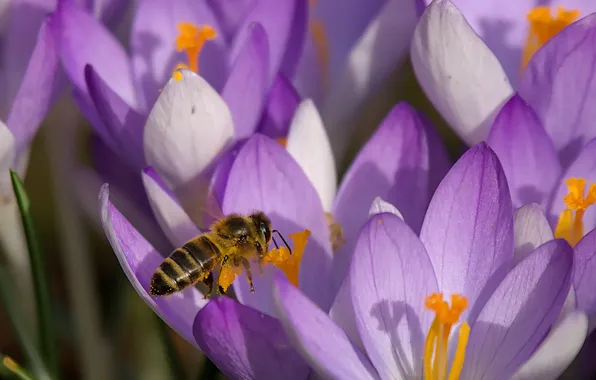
175, 364
19, 326
40, 281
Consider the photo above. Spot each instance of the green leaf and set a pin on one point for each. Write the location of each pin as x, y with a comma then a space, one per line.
13, 312
40, 282
175, 365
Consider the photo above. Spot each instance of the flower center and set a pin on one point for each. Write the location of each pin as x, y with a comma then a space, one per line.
435, 349
283, 141
571, 224
281, 258
543, 27
191, 40
319, 35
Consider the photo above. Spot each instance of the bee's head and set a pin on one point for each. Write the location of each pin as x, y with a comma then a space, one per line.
263, 226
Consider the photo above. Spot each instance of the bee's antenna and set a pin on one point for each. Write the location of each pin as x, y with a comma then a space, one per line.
282, 238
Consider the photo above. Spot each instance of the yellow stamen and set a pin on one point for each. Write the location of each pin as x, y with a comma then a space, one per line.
289, 263
191, 40
436, 346
336, 232
319, 35
282, 141
543, 27
571, 224
228, 275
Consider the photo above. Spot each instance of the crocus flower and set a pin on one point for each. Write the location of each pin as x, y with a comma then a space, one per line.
467, 81
352, 47
295, 187
449, 303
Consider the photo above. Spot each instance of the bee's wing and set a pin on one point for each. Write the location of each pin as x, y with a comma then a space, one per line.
200, 201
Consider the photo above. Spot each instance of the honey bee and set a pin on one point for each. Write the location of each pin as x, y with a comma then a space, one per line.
232, 240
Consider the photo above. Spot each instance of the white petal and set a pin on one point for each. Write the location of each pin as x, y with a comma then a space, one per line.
380, 206
309, 145
188, 126
530, 229
170, 215
376, 54
457, 71
7, 157
557, 351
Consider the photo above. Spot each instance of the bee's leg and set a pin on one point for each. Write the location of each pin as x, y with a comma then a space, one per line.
208, 281
246, 266
224, 262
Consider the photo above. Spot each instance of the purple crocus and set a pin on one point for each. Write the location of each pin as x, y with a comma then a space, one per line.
351, 48
295, 187
468, 82
390, 320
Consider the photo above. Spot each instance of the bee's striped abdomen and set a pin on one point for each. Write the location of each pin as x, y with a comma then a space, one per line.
184, 267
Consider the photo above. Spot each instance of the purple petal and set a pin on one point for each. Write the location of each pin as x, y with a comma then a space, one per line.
282, 102
380, 206
139, 260
265, 177
584, 277
526, 152
153, 46
230, 14
276, 18
390, 277
187, 128
169, 213
323, 344
296, 40
394, 165
97, 47
247, 85
246, 344
558, 83
342, 313
584, 166
121, 124
32, 101
468, 228
519, 313
530, 230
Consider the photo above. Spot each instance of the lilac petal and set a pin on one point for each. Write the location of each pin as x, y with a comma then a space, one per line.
309, 145
169, 213
323, 344
345, 21
246, 344
121, 124
466, 82
247, 85
139, 260
519, 313
584, 166
468, 228
296, 40
380, 206
394, 165
584, 277
7, 159
230, 14
265, 177
153, 37
34, 96
557, 350
526, 152
282, 102
558, 83
342, 313
276, 18
96, 46
530, 230
188, 126
389, 279
378, 52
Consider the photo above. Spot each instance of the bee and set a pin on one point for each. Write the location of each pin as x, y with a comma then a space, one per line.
232, 240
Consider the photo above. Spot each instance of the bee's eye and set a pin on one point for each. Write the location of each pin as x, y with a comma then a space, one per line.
265, 230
